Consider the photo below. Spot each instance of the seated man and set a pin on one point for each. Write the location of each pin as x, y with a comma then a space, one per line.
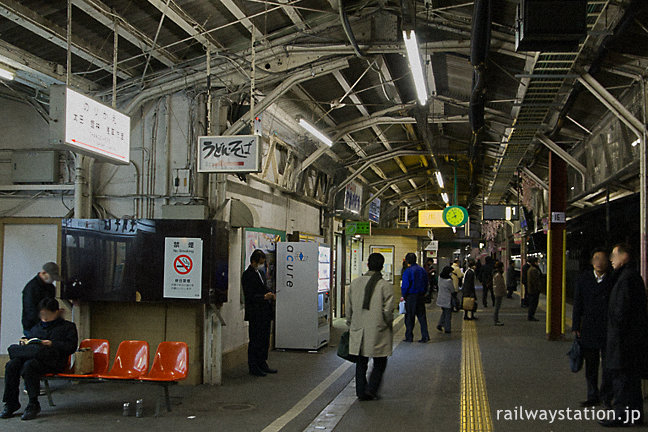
58, 340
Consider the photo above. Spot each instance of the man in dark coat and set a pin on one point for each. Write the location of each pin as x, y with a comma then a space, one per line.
259, 314
589, 318
626, 342
37, 289
58, 340
524, 272
511, 282
486, 278
533, 288
468, 288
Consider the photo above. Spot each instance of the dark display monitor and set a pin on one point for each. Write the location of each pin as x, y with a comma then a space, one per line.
124, 260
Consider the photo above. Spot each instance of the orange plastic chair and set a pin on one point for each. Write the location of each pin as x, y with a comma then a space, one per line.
101, 352
169, 367
131, 361
170, 363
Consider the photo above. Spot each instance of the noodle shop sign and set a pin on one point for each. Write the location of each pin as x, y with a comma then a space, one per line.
229, 154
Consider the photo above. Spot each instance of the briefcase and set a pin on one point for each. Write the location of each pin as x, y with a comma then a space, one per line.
468, 303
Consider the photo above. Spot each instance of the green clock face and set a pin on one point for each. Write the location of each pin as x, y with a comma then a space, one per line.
455, 216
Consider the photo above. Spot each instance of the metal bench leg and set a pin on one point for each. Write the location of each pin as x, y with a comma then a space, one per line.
166, 397
48, 392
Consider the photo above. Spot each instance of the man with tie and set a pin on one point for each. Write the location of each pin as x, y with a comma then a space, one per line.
258, 312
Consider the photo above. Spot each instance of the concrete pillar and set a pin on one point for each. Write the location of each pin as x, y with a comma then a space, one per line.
556, 239
643, 189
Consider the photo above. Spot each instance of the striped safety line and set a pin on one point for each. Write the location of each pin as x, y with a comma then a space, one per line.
475, 408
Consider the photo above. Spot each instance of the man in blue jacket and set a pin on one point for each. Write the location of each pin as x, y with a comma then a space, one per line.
413, 287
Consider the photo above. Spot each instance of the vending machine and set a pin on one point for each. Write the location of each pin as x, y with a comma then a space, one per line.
303, 292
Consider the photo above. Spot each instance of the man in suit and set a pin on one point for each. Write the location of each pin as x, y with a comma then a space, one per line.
259, 314
533, 288
468, 288
524, 272
627, 339
486, 278
589, 318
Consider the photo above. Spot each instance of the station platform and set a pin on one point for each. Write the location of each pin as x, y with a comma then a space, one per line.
481, 373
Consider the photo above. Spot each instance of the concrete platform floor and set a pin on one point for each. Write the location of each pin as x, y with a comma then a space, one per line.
421, 389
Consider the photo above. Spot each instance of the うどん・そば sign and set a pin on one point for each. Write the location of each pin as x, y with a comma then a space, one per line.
223, 154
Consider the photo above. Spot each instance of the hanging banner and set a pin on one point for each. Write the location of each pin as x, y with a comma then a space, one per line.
226, 154
374, 210
183, 268
353, 197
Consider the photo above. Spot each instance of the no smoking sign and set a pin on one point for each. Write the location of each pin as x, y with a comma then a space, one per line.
183, 264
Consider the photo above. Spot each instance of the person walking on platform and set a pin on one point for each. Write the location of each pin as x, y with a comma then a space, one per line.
499, 290
627, 338
511, 283
37, 289
444, 299
413, 286
486, 278
468, 289
259, 314
370, 315
457, 278
589, 317
533, 288
524, 272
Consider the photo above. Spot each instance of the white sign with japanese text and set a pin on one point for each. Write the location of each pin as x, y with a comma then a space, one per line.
183, 268
223, 154
88, 126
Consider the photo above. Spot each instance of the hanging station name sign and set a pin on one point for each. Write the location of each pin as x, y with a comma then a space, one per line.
83, 125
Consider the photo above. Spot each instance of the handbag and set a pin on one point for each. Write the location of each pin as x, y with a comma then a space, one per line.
401, 307
83, 361
575, 356
468, 303
343, 348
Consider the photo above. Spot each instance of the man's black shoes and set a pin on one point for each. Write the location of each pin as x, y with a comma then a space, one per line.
533, 319
257, 372
31, 412
424, 340
589, 403
266, 369
9, 411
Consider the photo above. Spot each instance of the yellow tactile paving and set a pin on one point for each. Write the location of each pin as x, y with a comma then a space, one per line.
475, 408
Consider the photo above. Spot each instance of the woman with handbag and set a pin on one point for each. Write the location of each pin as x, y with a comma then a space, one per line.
370, 314
468, 293
444, 299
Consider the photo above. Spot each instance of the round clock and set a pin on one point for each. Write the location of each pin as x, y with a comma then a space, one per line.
455, 216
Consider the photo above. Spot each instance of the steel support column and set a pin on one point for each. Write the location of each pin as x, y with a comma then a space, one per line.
556, 238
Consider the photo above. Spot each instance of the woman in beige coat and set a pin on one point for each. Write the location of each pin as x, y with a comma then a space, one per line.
370, 314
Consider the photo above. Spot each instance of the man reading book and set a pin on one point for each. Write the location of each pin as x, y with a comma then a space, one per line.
58, 340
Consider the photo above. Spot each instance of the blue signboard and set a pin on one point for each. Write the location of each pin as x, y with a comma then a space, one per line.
374, 210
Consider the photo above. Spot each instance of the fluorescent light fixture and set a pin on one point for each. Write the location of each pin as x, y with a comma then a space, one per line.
411, 45
439, 179
572, 188
315, 132
445, 198
6, 74
508, 213
454, 230
635, 142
